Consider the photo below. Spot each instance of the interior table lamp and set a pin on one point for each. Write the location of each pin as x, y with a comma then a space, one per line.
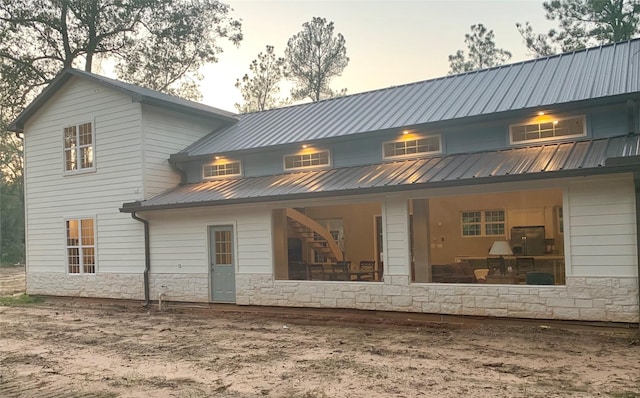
501, 248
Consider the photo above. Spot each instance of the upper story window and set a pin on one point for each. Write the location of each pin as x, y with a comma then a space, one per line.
305, 160
412, 147
78, 147
548, 129
482, 223
81, 246
227, 169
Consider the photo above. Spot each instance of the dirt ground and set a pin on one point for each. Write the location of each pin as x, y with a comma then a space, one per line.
68, 348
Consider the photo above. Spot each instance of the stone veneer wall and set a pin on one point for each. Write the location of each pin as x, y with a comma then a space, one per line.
175, 287
180, 287
122, 286
587, 299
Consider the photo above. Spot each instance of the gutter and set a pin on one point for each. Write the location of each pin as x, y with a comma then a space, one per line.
147, 257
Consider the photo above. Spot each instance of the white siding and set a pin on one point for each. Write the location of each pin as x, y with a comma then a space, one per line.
179, 239
166, 133
396, 227
52, 196
601, 221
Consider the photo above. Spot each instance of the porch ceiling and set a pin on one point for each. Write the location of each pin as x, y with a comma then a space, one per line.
514, 164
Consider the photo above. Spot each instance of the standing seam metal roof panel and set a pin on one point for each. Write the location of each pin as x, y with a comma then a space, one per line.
598, 72
529, 160
482, 85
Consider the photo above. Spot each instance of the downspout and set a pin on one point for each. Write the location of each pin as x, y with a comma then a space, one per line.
147, 257
636, 183
182, 172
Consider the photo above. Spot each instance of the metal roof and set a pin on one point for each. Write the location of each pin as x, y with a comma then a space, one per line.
138, 93
598, 72
543, 161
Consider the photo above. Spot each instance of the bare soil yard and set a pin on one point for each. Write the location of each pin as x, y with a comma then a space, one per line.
90, 349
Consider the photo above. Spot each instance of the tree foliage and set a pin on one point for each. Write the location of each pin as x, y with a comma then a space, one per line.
159, 44
583, 23
11, 197
260, 90
314, 56
481, 52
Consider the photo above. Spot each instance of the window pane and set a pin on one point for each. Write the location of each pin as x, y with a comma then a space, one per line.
72, 233
548, 129
87, 157
494, 229
410, 147
73, 259
471, 230
70, 139
88, 260
87, 232
306, 160
470, 216
85, 134
70, 159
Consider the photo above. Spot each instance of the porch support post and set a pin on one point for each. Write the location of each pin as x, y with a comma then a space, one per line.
636, 183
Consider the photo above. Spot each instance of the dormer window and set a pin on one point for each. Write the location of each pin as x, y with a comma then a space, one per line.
306, 160
412, 147
547, 128
221, 169
78, 147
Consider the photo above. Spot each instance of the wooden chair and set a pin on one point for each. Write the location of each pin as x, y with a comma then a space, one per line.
342, 271
316, 272
496, 265
524, 265
367, 271
298, 270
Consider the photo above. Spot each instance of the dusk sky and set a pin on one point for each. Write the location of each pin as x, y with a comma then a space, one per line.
388, 42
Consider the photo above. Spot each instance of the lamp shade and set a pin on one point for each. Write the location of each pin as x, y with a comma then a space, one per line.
500, 248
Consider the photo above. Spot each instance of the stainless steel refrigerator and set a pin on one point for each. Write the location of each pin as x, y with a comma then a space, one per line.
528, 240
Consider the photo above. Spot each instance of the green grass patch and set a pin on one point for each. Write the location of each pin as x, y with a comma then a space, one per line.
23, 299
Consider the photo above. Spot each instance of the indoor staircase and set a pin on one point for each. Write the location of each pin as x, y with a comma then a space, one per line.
314, 235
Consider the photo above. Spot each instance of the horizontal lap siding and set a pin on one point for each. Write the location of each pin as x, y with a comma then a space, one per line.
52, 196
166, 133
396, 228
602, 224
180, 242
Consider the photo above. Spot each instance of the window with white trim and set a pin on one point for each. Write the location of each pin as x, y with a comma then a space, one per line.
406, 148
304, 160
221, 170
548, 129
78, 147
482, 223
81, 246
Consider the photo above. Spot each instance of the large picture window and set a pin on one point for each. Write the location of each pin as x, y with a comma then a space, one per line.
81, 249
494, 238
548, 129
78, 147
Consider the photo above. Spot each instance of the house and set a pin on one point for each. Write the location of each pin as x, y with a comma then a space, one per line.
509, 192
